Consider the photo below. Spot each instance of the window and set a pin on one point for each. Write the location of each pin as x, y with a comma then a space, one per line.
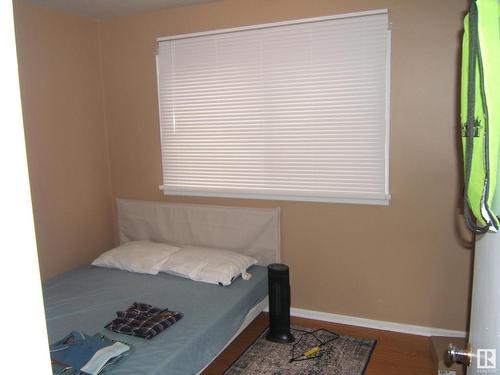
290, 111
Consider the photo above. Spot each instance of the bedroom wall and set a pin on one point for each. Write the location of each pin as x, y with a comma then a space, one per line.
66, 142
408, 262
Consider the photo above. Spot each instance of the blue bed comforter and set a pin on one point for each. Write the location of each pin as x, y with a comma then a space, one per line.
86, 299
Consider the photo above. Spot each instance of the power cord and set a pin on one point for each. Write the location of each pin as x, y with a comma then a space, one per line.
315, 351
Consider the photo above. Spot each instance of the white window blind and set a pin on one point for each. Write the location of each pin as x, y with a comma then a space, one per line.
289, 111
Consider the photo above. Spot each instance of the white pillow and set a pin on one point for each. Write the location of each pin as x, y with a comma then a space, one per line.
208, 265
137, 256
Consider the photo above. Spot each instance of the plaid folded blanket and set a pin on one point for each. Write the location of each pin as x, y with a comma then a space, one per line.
143, 320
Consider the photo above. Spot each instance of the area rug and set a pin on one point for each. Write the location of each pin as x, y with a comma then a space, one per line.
339, 355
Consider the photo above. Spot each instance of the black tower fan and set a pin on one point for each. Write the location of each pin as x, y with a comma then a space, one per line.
279, 304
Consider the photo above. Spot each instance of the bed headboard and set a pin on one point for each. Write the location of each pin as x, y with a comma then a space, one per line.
251, 231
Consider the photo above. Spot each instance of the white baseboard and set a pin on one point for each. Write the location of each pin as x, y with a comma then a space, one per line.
376, 324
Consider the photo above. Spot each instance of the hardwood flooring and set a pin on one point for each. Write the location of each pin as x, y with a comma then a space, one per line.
395, 353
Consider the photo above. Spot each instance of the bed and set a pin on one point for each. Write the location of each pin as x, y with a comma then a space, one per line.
87, 298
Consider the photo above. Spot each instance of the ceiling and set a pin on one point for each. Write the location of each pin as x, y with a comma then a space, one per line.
100, 9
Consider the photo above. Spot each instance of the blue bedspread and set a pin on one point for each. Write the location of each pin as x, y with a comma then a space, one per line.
87, 298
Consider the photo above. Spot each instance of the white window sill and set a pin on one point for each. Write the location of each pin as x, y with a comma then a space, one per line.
376, 200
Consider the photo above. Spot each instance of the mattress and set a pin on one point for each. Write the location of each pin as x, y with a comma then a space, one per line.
87, 298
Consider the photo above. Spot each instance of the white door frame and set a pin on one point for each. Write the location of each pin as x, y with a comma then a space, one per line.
484, 332
26, 346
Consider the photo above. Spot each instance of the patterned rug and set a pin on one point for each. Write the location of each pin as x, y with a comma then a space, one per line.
339, 355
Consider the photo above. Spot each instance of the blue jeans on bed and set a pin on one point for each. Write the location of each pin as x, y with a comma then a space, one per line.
73, 352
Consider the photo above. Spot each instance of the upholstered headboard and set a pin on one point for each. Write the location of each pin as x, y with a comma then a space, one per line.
251, 231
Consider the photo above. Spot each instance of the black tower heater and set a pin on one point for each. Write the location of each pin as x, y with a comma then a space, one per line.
279, 304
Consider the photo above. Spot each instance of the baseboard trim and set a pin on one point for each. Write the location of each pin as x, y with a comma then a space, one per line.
376, 324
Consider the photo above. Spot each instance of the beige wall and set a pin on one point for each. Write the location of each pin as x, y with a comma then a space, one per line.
65, 136
406, 263
403, 263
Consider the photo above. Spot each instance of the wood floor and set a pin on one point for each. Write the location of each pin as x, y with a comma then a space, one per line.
395, 353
